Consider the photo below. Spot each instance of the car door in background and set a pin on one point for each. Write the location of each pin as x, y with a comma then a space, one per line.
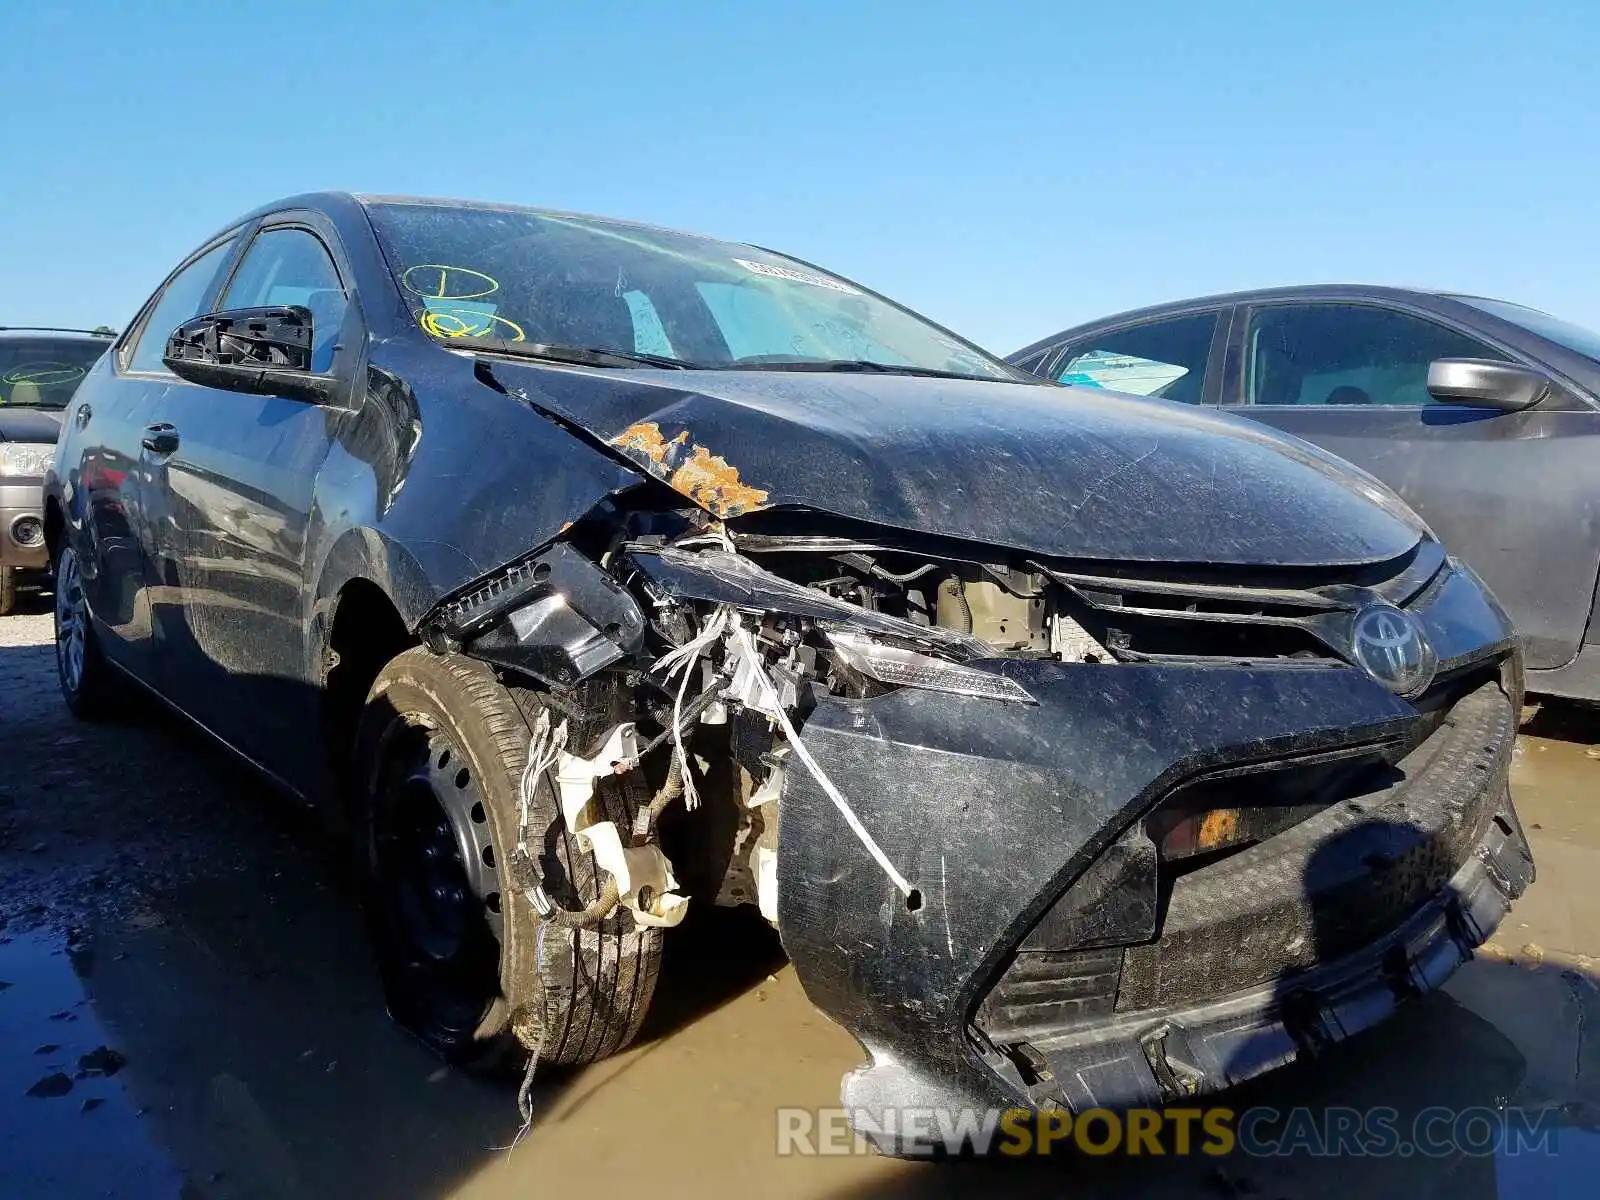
1506, 491
235, 500
105, 435
1169, 357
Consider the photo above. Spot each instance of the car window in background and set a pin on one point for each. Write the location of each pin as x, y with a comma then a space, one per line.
1159, 358
1346, 354
1562, 333
525, 276
180, 300
43, 372
291, 266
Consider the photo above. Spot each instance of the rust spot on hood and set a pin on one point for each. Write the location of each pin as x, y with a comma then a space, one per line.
706, 478
645, 439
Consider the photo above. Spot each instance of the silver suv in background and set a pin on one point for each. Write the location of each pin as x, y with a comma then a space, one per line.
40, 369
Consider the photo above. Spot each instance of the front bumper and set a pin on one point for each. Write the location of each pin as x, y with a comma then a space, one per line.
978, 994
17, 502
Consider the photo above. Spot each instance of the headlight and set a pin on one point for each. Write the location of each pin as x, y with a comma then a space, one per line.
906, 668
19, 460
880, 646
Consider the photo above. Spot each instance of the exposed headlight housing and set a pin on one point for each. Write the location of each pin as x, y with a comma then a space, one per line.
25, 460
900, 667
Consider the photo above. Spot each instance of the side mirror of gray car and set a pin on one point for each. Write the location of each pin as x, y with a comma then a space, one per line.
1485, 383
258, 351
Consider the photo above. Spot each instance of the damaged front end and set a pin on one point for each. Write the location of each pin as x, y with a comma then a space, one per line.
1036, 831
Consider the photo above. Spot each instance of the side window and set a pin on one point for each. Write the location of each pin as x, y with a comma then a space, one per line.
179, 300
291, 266
1159, 358
1346, 354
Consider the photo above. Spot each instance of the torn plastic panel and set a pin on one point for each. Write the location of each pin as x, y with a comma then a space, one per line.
556, 617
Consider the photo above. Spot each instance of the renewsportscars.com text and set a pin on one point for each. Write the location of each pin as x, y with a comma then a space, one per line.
1215, 1131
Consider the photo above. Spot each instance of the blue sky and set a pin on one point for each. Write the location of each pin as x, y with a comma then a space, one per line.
1007, 168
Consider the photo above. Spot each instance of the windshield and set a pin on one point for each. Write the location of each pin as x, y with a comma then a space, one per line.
1562, 333
43, 372
523, 276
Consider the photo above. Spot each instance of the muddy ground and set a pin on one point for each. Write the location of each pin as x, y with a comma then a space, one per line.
187, 1007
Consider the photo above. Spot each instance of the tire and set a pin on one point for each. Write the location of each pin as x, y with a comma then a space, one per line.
8, 589
89, 684
509, 981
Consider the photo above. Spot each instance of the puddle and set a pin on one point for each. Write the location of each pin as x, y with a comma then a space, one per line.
67, 1124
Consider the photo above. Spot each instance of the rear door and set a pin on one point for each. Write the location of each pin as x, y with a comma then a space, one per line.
236, 496
104, 462
1517, 495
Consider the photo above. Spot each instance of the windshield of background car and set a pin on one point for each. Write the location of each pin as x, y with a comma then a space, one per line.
43, 372
1562, 333
571, 281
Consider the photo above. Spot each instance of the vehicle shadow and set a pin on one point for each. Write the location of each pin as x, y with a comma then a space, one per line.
215, 930
1565, 721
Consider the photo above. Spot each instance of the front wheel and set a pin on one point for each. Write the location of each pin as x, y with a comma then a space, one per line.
8, 589
467, 964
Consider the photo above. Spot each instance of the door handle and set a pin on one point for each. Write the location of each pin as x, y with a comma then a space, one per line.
81, 417
160, 438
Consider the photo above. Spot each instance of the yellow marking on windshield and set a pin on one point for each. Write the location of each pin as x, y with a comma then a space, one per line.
449, 283
449, 325
45, 373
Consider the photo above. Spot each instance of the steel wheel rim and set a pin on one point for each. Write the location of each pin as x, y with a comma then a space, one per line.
436, 880
71, 632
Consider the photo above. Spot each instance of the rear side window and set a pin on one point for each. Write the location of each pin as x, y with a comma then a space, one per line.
1159, 358
1347, 355
180, 299
292, 266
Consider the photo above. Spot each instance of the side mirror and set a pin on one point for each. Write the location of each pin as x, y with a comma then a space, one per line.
258, 351
1484, 383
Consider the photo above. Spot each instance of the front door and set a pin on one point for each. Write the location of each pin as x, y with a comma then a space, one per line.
1353, 379
236, 500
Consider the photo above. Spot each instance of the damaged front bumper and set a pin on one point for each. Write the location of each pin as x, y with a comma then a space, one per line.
1053, 955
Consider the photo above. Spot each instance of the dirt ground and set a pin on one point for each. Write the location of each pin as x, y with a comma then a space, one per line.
187, 1007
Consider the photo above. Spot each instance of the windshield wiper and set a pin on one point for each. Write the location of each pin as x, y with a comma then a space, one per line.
581, 356
863, 366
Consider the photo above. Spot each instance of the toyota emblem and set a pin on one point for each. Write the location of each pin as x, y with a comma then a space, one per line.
1389, 645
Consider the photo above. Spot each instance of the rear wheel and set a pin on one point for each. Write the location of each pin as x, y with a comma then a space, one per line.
466, 962
87, 682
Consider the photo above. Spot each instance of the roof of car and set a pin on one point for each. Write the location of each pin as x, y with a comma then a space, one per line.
333, 200
1351, 291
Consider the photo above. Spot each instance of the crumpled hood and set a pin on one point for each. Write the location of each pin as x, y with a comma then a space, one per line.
29, 424
1068, 472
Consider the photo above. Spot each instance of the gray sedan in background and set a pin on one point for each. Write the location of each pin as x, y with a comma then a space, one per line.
1484, 415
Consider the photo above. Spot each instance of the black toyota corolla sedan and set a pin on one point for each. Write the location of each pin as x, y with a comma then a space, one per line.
583, 571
